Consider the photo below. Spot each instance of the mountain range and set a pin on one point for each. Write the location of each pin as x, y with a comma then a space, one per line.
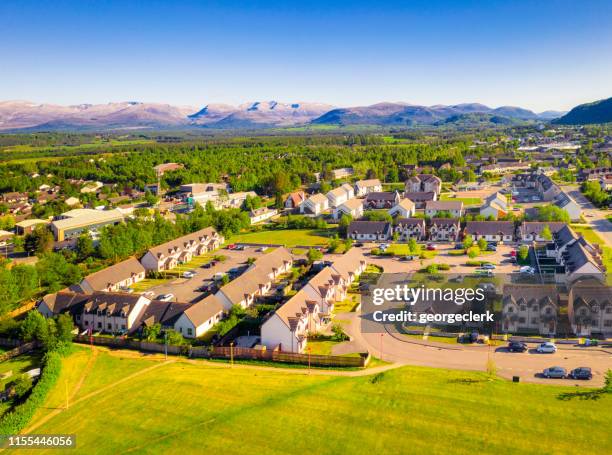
28, 116
589, 113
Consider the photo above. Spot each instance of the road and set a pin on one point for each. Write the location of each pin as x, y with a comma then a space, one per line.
595, 217
396, 348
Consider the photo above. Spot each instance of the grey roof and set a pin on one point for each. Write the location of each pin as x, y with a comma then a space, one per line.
369, 227
382, 196
489, 227
445, 222
420, 196
410, 222
536, 227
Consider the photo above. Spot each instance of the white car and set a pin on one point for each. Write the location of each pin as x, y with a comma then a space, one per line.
527, 269
166, 297
547, 348
488, 266
189, 274
261, 249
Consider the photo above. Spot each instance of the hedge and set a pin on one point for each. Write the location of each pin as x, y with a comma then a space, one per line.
15, 421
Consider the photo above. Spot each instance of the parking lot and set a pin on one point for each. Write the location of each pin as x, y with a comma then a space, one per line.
186, 289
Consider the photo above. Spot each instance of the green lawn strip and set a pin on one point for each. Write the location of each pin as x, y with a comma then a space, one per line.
287, 237
588, 233
403, 411
19, 365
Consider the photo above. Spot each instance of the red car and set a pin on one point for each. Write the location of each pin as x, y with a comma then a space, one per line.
231, 246
431, 247
513, 253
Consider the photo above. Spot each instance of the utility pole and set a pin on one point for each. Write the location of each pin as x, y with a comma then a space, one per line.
166, 344
309, 349
232, 354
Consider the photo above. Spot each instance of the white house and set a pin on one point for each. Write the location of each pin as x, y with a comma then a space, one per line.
112, 312
168, 255
530, 231
199, 317
433, 208
444, 229
261, 214
410, 228
492, 231
352, 207
315, 204
405, 209
369, 230
567, 203
364, 187
340, 195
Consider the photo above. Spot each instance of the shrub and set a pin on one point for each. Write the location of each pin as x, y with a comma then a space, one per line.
15, 421
443, 266
375, 252
456, 252
474, 263
473, 252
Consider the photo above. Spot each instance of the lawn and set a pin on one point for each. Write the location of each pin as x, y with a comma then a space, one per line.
18, 365
199, 407
148, 283
588, 233
287, 237
465, 200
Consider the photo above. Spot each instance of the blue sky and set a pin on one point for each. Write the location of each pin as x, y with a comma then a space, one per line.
536, 54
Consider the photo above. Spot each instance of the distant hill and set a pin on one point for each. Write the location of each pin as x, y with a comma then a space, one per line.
477, 119
585, 114
390, 114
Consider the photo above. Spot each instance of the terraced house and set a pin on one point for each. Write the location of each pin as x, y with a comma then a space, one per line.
530, 309
115, 277
256, 281
410, 228
168, 255
444, 230
340, 195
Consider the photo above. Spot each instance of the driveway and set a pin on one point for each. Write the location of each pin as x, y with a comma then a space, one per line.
396, 348
595, 217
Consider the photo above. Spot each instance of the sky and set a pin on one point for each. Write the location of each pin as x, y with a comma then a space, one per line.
539, 55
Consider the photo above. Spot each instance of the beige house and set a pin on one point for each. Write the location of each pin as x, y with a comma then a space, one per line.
352, 207
168, 255
364, 187
315, 204
340, 195
115, 277
199, 318
433, 208
405, 209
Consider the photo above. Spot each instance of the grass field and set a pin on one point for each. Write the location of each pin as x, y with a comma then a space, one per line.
195, 407
592, 237
18, 365
465, 200
287, 237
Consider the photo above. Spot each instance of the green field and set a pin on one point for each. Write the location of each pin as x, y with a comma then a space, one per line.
465, 200
287, 237
17, 366
143, 405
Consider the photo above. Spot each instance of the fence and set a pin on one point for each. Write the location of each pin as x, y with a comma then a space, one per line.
288, 357
225, 352
20, 349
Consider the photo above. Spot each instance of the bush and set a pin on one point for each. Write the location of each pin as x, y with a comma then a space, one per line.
443, 266
456, 252
473, 252
375, 252
15, 421
475, 263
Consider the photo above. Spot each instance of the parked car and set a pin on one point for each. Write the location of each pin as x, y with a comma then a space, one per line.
526, 269
517, 346
513, 253
488, 266
581, 373
166, 297
149, 294
554, 372
358, 244
547, 348
189, 274
431, 247
126, 289
231, 246
261, 249
408, 258
459, 246
207, 265
219, 276
491, 247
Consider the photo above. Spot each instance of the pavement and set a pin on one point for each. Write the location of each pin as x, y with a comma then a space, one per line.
595, 217
393, 347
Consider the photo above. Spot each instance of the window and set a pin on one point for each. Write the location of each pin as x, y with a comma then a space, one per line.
522, 320
109, 326
510, 309
86, 322
523, 307
99, 325
548, 310
608, 323
123, 326
189, 331
535, 321
609, 310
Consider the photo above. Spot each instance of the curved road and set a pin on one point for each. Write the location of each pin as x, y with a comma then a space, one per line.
396, 348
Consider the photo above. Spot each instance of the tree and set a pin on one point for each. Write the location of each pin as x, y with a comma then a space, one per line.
174, 338
343, 224
314, 255
551, 213
432, 269
22, 385
523, 252
84, 246
468, 241
413, 246
546, 233
151, 332
482, 243
473, 252
65, 327
374, 215
32, 326
39, 241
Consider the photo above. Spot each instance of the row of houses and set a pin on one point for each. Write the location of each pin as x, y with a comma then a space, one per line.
585, 309
319, 203
449, 229
122, 313
549, 191
310, 309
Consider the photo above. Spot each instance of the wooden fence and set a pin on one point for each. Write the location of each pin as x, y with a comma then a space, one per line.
288, 357
225, 352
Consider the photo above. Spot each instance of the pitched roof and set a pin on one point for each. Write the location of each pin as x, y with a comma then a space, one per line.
406, 204
444, 205
325, 279
445, 222
352, 204
530, 293
111, 303
382, 196
420, 196
180, 242
297, 198
410, 222
346, 265
369, 227
536, 227
203, 310
367, 183
318, 198
490, 227
64, 300
294, 309
160, 312
114, 274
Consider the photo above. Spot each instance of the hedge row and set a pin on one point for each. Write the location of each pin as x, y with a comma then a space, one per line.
15, 421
